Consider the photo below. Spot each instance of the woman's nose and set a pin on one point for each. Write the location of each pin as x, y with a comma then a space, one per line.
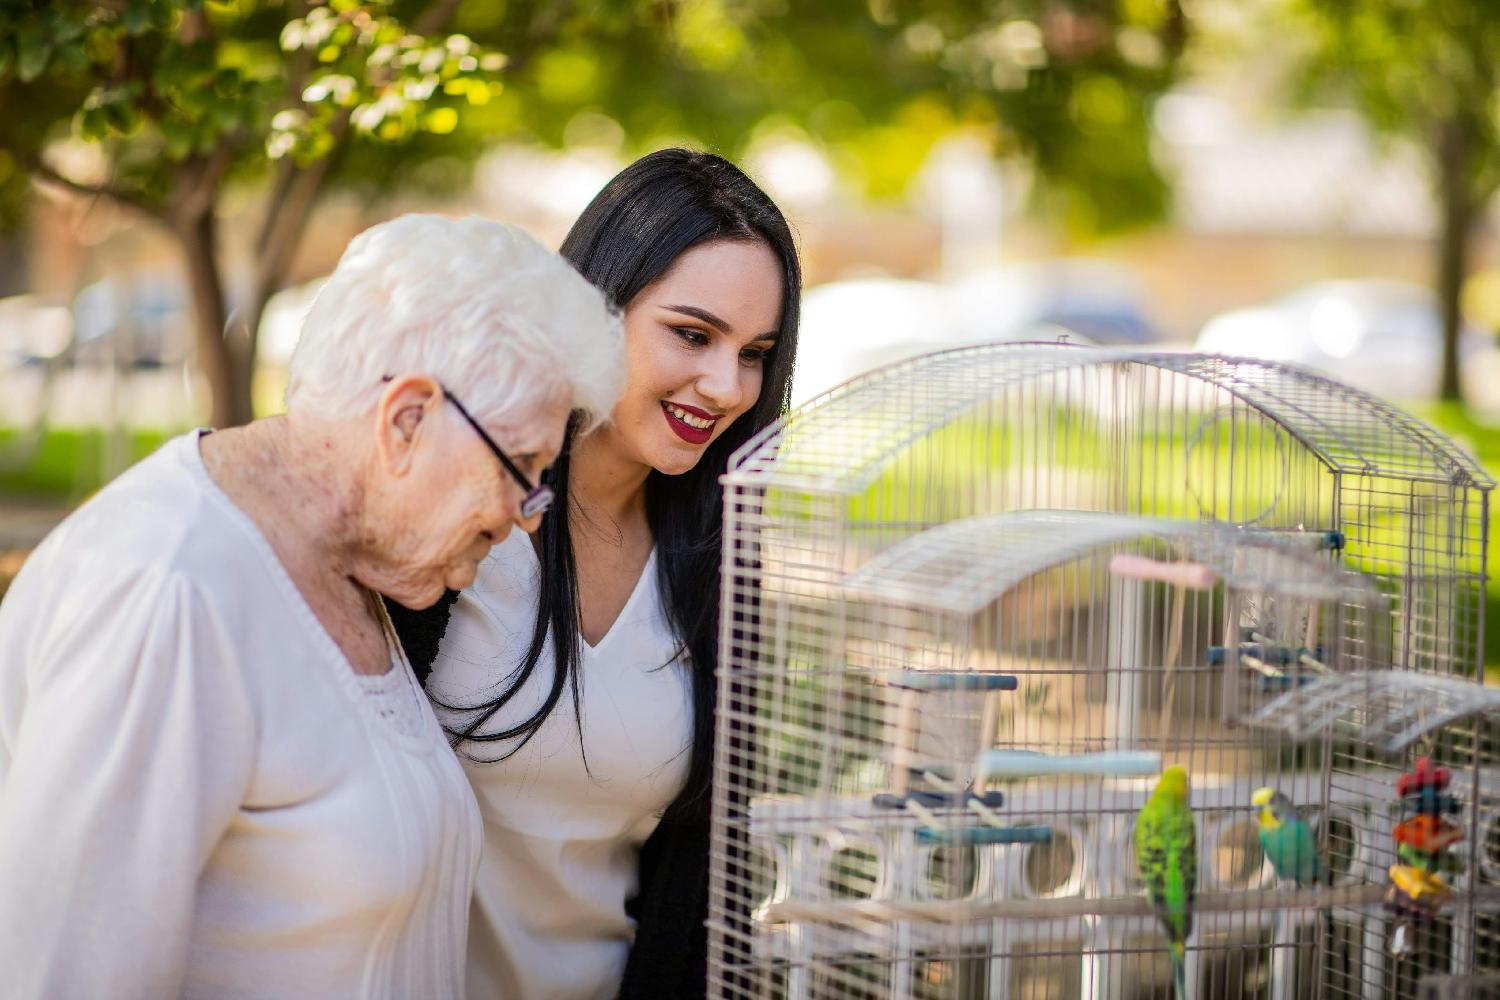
529, 524
526, 524
504, 513
719, 382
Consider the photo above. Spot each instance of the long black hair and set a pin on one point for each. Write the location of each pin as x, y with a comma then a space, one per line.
651, 213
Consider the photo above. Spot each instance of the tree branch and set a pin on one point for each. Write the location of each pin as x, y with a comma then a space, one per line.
435, 17
291, 203
200, 188
298, 70
43, 171
195, 26
541, 32
129, 66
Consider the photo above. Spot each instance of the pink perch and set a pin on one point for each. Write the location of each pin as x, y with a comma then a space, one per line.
1193, 576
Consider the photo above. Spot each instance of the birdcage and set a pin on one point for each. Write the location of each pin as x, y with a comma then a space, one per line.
975, 602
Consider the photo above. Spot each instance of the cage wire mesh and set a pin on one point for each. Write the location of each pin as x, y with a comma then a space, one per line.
976, 601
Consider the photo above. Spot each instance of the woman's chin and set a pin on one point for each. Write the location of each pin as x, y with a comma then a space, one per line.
419, 597
459, 578
414, 601
678, 459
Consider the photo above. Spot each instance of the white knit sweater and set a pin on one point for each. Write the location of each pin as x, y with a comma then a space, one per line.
198, 796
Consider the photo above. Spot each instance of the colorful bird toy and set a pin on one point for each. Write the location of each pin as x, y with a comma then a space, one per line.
1423, 839
1428, 834
1423, 775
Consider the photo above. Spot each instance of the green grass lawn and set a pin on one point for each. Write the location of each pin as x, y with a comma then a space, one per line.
67, 466
1483, 442
1478, 439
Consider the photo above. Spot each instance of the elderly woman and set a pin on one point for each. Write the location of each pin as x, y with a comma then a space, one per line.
217, 775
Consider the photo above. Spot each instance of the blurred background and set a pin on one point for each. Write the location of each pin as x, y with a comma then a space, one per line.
1304, 180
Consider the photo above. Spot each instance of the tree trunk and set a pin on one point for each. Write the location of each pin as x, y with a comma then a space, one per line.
228, 384
1453, 249
291, 202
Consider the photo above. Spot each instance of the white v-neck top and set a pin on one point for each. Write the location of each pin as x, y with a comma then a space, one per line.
561, 842
198, 796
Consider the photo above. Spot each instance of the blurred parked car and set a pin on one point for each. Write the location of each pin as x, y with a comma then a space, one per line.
1098, 300
137, 319
1381, 335
32, 332
851, 327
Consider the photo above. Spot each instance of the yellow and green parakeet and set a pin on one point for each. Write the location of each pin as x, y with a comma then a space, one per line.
1286, 838
1166, 850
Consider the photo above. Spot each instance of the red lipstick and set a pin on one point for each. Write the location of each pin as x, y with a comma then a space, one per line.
689, 433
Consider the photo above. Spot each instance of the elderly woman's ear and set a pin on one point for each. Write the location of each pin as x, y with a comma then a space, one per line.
407, 402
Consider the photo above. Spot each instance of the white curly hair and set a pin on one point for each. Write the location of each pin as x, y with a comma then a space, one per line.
480, 306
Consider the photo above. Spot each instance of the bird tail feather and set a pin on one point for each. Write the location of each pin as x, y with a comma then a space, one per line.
1178, 952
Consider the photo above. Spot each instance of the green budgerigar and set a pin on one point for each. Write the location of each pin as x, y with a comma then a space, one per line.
1166, 850
1286, 838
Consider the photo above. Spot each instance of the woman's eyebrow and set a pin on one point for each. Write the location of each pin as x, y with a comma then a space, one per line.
716, 322
704, 315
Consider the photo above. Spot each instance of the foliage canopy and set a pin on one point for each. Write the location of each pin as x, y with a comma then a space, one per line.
163, 104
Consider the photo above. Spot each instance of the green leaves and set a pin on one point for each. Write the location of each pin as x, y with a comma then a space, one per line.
34, 39
136, 17
110, 111
165, 80
391, 83
33, 50
161, 81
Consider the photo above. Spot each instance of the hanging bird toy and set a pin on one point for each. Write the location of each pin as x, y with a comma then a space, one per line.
1423, 838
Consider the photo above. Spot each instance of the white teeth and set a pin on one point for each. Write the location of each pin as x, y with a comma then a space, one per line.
688, 418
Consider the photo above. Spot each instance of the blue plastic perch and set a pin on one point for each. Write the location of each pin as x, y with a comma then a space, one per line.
1316, 541
1269, 685
985, 835
1281, 655
1108, 764
938, 680
939, 800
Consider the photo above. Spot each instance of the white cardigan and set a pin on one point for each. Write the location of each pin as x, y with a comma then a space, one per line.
561, 839
198, 796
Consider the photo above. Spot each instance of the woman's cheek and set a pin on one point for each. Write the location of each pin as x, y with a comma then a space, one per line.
756, 379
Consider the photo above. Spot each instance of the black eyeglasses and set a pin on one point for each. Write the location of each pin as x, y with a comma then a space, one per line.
538, 497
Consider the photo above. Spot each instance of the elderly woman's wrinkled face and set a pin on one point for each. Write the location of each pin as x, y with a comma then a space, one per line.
695, 351
454, 500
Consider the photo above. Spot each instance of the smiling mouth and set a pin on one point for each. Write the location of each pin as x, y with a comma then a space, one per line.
693, 426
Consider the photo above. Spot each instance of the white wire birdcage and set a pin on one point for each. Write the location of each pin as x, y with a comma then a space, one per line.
975, 601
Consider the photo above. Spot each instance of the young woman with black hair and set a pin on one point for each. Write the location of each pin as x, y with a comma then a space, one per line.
576, 675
